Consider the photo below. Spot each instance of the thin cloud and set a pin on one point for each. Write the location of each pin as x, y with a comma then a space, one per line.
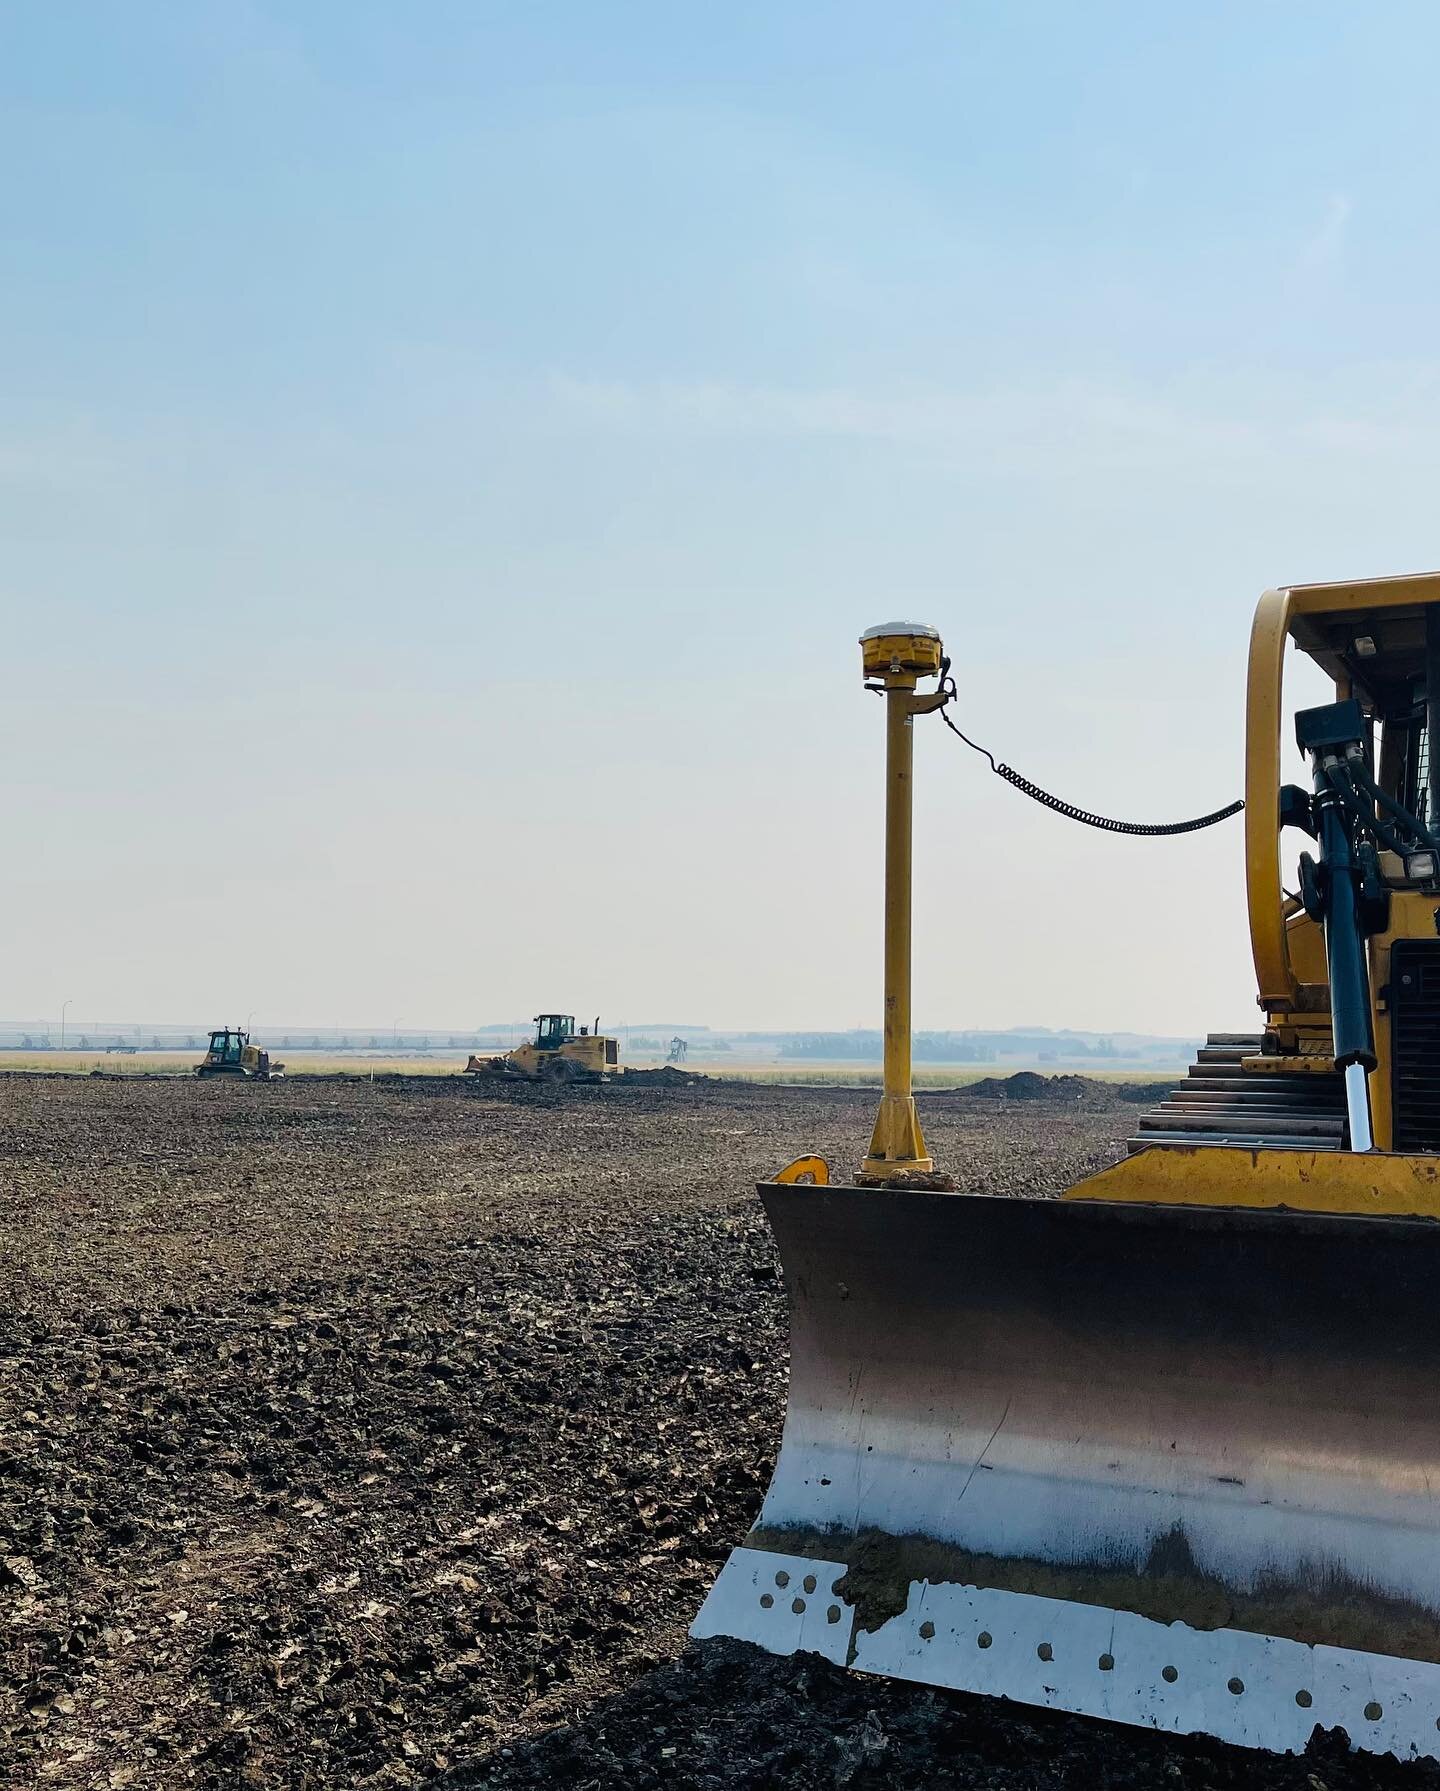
1326, 248
1074, 423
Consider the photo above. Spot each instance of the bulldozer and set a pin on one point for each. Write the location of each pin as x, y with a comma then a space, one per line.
557, 1053
230, 1053
1164, 1450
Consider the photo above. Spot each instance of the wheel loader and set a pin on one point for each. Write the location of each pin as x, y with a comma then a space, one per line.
557, 1053
230, 1053
1166, 1449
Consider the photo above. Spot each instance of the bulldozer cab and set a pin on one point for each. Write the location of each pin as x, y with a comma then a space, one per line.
1385, 651
553, 1030
227, 1047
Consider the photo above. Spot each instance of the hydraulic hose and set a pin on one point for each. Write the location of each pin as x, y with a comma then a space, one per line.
1422, 834
1342, 782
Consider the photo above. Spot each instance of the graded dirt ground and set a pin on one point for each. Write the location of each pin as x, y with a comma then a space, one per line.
390, 1435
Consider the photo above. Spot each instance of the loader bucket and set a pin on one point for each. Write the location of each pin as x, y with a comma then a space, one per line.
1172, 1466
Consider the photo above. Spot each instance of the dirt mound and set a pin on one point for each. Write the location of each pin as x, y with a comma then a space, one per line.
728, 1717
1145, 1094
665, 1076
1026, 1085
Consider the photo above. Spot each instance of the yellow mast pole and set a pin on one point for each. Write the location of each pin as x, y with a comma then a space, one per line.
898, 654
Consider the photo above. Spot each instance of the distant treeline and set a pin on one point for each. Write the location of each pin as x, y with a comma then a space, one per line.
949, 1047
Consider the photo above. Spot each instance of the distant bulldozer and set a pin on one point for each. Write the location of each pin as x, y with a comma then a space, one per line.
557, 1053
232, 1054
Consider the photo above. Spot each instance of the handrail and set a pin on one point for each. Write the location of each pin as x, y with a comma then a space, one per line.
1274, 975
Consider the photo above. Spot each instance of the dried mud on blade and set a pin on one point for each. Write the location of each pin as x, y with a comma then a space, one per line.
1168, 1466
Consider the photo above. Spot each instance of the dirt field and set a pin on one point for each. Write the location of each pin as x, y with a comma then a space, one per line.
390, 1435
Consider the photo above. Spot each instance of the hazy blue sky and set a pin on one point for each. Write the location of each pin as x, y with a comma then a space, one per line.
449, 450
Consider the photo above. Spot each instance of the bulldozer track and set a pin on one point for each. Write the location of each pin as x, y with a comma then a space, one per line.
1221, 1102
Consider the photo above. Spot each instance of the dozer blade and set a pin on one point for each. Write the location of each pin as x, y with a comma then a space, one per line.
1171, 1466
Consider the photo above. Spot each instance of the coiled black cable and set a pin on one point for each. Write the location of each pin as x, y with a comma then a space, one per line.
1148, 829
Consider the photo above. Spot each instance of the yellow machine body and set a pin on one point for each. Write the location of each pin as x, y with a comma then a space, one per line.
1374, 1184
1165, 1450
230, 1053
558, 1052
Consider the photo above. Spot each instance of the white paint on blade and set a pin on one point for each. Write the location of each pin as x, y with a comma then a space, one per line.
755, 1599
1253, 1690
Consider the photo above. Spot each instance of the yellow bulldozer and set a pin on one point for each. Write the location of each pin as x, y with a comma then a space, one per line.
230, 1053
557, 1053
1164, 1450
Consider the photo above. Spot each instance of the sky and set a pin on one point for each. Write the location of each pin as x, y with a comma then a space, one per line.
449, 451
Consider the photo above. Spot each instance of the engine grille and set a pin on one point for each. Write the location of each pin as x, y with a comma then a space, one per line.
1415, 1043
